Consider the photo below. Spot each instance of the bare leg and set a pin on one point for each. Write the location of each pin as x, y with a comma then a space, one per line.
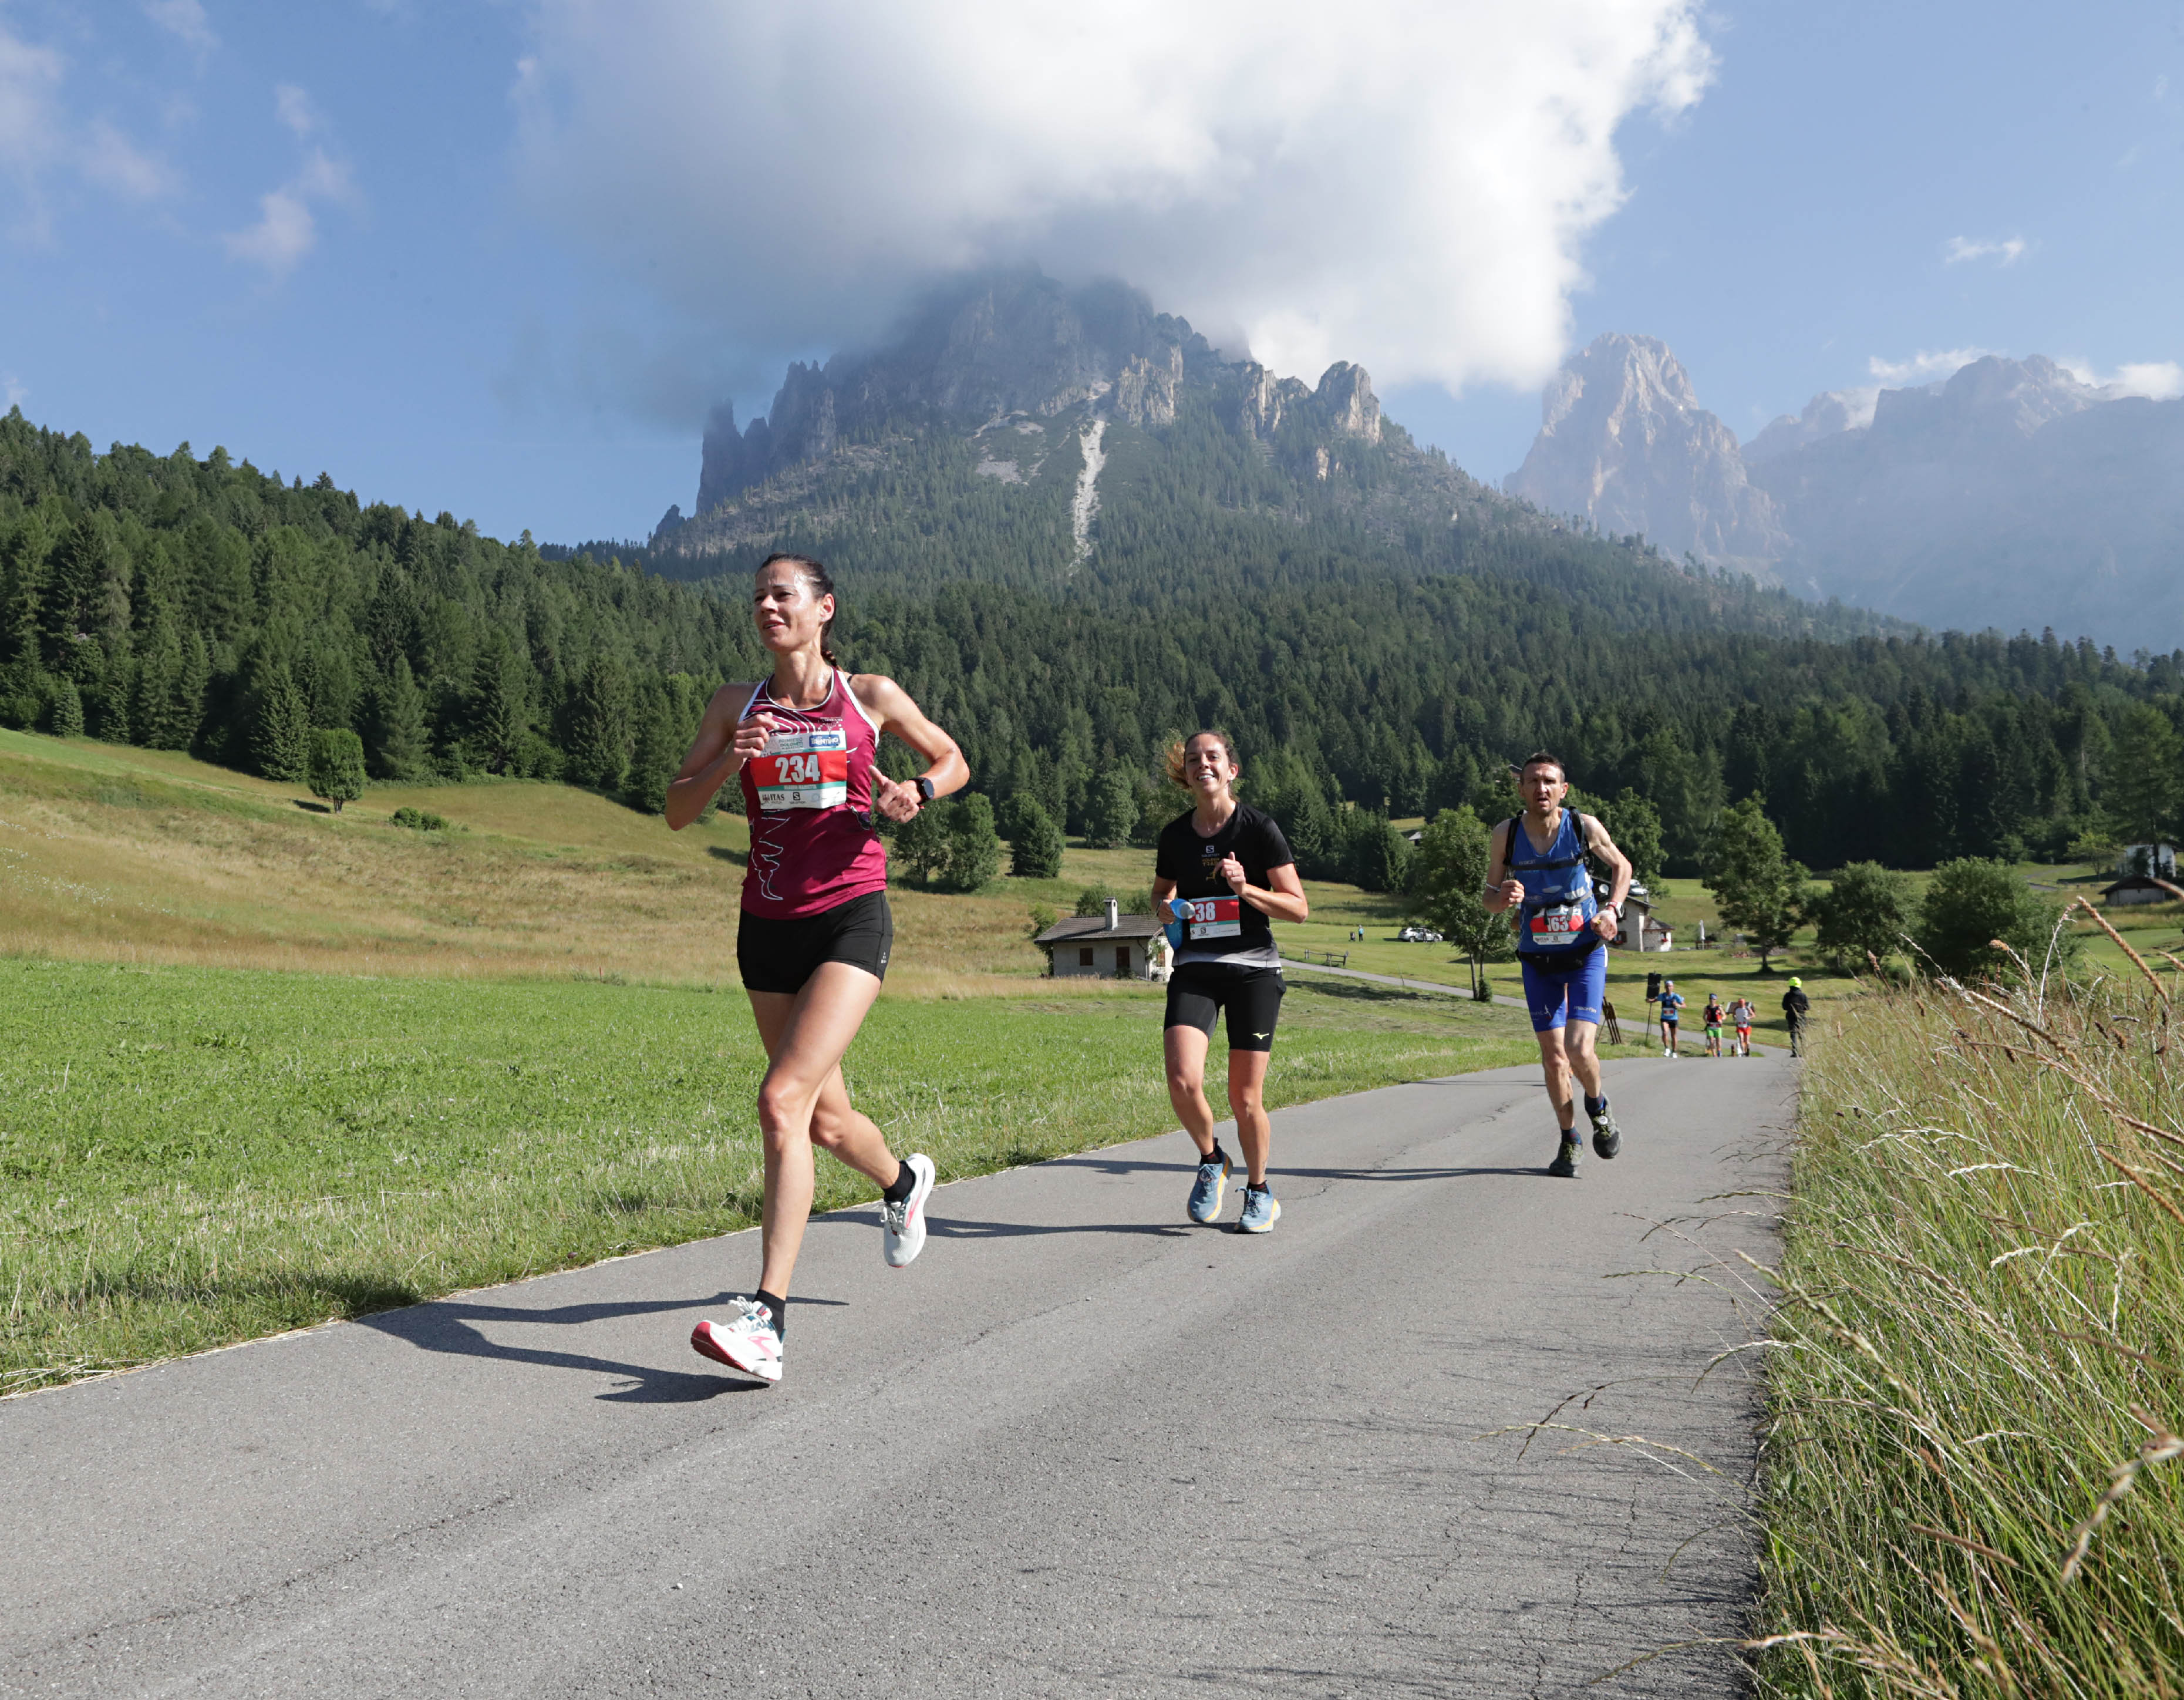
1557, 1068
1247, 1085
1186, 1084
802, 1098
1580, 1050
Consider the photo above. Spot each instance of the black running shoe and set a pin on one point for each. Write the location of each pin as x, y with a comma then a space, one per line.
1607, 1137
1564, 1166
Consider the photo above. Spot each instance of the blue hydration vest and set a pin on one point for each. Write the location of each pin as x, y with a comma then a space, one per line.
1555, 924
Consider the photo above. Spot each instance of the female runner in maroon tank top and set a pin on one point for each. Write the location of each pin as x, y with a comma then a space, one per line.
813, 941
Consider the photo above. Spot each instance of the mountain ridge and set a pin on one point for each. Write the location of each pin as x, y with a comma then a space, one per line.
2011, 493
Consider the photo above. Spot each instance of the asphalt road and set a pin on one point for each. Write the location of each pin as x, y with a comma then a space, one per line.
1081, 1448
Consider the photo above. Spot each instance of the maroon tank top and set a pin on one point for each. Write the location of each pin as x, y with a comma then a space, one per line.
809, 800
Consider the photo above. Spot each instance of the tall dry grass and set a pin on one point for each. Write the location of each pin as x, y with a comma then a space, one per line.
1972, 1482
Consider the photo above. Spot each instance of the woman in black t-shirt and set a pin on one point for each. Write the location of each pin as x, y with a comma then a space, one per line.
1222, 870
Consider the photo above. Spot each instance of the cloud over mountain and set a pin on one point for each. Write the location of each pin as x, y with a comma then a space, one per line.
1404, 185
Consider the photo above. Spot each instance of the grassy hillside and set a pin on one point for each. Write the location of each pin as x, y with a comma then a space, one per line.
271, 1065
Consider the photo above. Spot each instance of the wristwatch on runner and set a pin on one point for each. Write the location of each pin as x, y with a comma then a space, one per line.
924, 788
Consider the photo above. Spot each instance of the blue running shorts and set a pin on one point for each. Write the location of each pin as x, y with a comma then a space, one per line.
1556, 995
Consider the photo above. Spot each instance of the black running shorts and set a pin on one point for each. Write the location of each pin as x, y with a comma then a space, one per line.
778, 956
1252, 996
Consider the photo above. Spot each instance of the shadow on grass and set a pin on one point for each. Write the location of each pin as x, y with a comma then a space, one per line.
448, 1325
1372, 991
722, 853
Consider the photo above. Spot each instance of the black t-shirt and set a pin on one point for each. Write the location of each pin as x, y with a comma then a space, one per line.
1224, 928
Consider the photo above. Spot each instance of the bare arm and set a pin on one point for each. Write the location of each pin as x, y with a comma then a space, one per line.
724, 741
891, 706
1618, 865
1282, 897
1501, 891
1162, 890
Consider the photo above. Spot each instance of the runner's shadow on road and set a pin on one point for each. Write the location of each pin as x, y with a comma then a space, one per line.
447, 1326
1123, 1165
1011, 1231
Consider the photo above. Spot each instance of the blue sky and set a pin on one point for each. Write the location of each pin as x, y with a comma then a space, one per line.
497, 258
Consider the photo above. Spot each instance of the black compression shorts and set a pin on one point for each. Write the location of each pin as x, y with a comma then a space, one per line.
1252, 996
775, 956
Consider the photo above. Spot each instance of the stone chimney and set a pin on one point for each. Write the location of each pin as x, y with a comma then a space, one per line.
1114, 915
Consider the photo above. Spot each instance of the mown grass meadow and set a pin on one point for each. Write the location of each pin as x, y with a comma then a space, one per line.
192, 1157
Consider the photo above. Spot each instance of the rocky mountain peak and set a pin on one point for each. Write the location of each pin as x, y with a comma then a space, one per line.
1623, 441
1019, 345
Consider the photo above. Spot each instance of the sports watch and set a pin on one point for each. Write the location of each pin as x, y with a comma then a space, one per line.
925, 789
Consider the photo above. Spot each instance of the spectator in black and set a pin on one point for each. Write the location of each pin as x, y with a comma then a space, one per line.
1796, 1007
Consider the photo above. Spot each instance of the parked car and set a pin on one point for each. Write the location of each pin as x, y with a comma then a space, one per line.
1417, 935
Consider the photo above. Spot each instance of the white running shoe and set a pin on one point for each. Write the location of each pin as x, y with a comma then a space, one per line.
902, 1226
751, 1342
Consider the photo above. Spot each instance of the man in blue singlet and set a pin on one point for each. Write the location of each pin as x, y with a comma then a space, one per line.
1538, 864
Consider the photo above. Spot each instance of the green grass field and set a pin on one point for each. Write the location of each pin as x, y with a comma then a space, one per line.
193, 1156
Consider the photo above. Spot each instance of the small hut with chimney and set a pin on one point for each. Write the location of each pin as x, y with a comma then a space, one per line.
1109, 946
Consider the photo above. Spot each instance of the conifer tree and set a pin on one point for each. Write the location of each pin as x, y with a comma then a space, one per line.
281, 739
973, 848
67, 713
1111, 810
400, 746
600, 738
1035, 842
656, 751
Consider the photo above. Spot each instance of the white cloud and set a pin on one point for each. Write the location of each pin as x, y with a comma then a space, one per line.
286, 228
14, 390
1924, 366
108, 158
2007, 252
1409, 185
2158, 379
40, 136
293, 108
30, 121
285, 233
185, 20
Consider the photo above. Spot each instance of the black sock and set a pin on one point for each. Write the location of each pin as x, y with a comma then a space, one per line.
779, 1307
1569, 1135
1594, 1106
905, 1182
1256, 1186
1216, 1155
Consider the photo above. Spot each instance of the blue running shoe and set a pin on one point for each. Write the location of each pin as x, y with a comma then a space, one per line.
1206, 1190
1261, 1209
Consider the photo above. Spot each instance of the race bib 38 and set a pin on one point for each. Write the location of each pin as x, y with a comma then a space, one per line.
804, 768
1216, 917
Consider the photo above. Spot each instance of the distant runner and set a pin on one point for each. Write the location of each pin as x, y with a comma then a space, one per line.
814, 935
1740, 1014
1672, 1014
1221, 869
1714, 1017
1796, 1007
1537, 862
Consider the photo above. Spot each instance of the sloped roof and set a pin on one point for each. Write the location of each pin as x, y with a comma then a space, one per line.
1091, 929
2138, 882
